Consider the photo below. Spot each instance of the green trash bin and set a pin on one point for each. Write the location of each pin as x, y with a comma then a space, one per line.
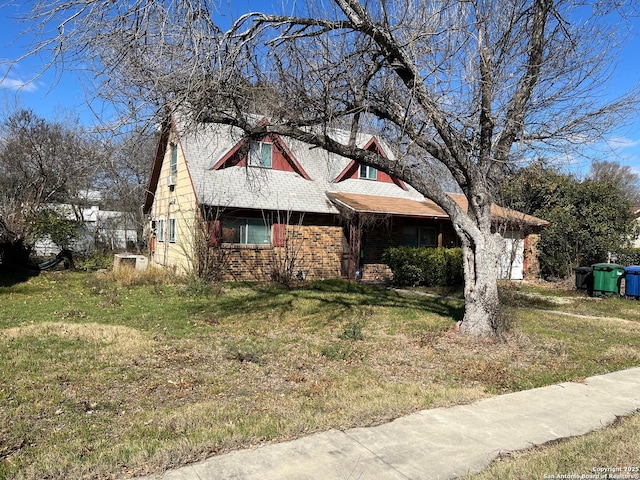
606, 278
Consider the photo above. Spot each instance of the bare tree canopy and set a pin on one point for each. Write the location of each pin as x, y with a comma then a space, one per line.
41, 163
622, 176
472, 85
123, 177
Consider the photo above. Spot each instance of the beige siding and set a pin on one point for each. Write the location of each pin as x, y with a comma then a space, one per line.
174, 203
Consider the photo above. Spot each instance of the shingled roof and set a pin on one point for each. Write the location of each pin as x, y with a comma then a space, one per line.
271, 189
425, 208
243, 187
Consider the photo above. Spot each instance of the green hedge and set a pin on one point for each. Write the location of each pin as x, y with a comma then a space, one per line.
430, 267
627, 257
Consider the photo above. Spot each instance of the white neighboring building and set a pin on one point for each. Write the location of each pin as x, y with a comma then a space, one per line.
636, 243
111, 228
101, 227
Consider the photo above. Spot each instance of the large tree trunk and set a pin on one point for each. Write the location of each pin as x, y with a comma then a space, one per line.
481, 257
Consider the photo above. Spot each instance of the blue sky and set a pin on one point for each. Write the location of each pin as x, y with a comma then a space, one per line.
54, 95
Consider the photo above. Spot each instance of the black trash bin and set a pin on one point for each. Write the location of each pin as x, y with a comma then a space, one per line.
584, 278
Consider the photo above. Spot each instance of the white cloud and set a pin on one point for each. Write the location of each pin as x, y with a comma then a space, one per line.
8, 83
622, 142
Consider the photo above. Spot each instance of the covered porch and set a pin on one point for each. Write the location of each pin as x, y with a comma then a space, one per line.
373, 224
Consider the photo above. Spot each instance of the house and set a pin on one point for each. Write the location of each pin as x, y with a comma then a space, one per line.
262, 209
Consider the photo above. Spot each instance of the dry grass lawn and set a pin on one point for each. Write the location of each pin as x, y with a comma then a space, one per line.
610, 453
107, 377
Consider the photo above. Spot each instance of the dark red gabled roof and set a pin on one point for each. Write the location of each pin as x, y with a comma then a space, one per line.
351, 170
238, 153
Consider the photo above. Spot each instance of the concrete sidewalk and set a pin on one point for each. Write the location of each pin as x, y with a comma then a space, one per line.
441, 443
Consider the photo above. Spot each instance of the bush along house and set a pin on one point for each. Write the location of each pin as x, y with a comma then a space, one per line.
224, 207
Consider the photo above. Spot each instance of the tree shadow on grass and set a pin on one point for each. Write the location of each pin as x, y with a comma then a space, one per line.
333, 299
15, 275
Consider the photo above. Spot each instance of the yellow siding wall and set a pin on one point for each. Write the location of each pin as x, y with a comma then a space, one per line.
177, 203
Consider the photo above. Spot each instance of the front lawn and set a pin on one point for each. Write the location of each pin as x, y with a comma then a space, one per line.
104, 376
609, 453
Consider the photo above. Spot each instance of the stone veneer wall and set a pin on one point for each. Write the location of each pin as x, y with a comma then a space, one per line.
376, 272
531, 256
317, 250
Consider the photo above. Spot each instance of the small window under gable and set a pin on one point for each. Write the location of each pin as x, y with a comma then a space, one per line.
271, 152
367, 172
260, 154
355, 170
173, 165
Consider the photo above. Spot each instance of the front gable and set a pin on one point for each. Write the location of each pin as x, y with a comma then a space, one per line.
356, 171
281, 158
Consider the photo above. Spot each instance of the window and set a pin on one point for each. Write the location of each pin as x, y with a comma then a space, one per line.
173, 166
245, 231
160, 231
420, 237
427, 237
260, 154
172, 230
367, 172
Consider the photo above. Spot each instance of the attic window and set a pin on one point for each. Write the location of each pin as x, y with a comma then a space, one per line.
173, 165
260, 154
368, 173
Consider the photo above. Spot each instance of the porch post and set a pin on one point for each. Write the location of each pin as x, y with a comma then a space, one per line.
355, 232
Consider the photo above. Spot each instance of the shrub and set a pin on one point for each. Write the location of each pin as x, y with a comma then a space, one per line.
403, 262
430, 267
97, 260
454, 268
628, 256
408, 275
14, 255
47, 223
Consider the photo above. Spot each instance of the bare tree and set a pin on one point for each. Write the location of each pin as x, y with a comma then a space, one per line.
621, 176
42, 163
472, 85
124, 176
